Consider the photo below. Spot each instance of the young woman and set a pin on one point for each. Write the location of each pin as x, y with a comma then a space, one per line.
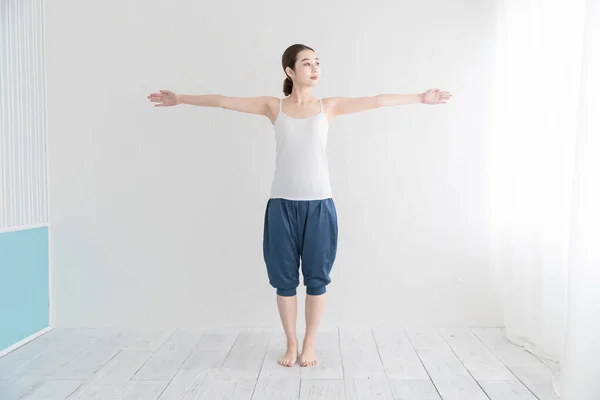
300, 217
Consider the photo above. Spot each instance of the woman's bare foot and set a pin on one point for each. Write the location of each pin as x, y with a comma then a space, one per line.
290, 356
307, 358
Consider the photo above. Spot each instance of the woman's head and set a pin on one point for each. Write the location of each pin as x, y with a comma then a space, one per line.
300, 64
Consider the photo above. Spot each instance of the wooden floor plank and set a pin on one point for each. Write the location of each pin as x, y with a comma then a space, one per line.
242, 364
51, 389
325, 389
476, 357
528, 369
246, 357
399, 358
167, 360
113, 376
360, 356
414, 389
141, 390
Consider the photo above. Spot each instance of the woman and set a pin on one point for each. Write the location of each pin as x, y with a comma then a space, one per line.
300, 217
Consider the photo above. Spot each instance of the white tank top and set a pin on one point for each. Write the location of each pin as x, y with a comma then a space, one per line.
301, 170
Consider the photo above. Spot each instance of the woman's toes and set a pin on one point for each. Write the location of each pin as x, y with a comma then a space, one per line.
307, 358
286, 363
290, 357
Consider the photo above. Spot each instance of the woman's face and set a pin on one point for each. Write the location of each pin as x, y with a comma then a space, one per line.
308, 69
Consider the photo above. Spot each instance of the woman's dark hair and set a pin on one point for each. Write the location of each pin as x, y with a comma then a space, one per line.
289, 60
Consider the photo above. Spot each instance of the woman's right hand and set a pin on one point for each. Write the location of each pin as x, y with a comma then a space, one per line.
165, 98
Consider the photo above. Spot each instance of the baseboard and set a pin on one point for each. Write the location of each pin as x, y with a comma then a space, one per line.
23, 342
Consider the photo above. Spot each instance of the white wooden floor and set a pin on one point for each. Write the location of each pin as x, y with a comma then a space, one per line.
240, 364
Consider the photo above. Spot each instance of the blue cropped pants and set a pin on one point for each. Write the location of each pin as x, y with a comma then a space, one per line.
300, 230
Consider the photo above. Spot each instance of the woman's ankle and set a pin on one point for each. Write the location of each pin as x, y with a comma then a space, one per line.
308, 341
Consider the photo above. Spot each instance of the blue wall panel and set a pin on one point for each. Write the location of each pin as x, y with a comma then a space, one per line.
24, 294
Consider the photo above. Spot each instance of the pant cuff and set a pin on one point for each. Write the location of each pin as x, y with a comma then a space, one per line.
286, 292
316, 291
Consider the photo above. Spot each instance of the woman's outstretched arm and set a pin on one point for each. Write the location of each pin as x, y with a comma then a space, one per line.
348, 105
251, 105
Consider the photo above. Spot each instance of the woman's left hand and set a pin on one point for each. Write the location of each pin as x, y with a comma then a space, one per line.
435, 96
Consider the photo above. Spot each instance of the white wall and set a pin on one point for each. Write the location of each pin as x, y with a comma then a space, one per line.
157, 213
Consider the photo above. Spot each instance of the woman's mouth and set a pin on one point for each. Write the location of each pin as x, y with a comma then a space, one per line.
314, 78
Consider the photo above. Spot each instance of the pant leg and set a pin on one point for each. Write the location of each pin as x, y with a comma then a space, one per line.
281, 245
319, 244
